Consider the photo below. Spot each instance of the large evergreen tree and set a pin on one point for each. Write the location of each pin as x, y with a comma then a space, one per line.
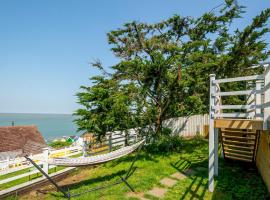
169, 63
107, 106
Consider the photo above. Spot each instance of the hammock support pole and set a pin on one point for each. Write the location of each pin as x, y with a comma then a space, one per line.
68, 195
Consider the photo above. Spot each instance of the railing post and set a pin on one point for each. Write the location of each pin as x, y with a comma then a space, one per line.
65, 151
7, 164
46, 160
266, 115
216, 132
211, 164
84, 148
251, 100
258, 99
110, 142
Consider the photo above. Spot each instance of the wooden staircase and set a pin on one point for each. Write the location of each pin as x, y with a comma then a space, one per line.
239, 144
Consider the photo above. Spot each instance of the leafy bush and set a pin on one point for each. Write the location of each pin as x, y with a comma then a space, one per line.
59, 144
165, 143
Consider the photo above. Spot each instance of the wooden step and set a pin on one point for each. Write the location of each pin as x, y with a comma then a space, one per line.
239, 151
238, 142
238, 132
240, 147
242, 159
237, 137
238, 155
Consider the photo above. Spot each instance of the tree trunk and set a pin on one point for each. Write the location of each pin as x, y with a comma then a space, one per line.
179, 75
159, 122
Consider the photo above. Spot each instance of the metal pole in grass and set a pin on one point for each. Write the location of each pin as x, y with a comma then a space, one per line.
211, 135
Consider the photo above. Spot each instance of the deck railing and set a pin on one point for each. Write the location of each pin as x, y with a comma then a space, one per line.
257, 98
257, 107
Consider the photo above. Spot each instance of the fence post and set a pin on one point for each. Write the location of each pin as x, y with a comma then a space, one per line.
46, 160
84, 148
7, 164
65, 151
211, 164
258, 99
266, 117
110, 142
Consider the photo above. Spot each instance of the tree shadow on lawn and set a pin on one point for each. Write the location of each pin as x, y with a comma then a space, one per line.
141, 157
197, 177
236, 180
239, 180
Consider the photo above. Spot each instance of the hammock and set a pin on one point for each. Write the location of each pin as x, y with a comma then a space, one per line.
94, 160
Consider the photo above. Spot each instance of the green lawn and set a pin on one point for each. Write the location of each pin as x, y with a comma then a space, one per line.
234, 181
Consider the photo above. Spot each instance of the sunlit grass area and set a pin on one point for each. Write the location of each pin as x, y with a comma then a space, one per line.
235, 180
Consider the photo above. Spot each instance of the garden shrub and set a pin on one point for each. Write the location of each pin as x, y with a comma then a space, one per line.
59, 144
166, 142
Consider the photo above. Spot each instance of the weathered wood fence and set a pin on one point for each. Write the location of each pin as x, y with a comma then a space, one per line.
189, 126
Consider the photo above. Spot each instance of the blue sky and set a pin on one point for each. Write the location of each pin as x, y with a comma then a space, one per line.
46, 46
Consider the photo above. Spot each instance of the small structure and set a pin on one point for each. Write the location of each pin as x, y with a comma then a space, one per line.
88, 137
16, 140
239, 131
71, 139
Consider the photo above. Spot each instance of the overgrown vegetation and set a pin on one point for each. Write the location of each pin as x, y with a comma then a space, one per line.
163, 69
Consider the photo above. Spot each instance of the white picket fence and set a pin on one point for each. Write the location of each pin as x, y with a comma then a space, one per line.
17, 164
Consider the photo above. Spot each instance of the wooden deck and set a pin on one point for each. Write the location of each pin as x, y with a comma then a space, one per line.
239, 124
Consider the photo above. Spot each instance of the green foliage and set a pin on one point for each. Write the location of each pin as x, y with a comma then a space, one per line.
107, 106
164, 68
165, 143
59, 144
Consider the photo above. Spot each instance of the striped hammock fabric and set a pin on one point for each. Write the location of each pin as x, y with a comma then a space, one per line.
94, 160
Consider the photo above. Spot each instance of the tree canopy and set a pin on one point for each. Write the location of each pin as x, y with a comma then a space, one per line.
164, 68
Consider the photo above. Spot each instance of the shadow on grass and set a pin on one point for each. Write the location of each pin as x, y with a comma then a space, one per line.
239, 180
92, 183
141, 157
236, 180
197, 179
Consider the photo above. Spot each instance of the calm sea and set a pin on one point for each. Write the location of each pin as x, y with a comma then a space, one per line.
50, 125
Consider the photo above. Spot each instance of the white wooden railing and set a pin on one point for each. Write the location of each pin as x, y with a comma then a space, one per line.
257, 98
17, 164
257, 107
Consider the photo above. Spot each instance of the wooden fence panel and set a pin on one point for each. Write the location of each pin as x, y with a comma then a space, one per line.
188, 126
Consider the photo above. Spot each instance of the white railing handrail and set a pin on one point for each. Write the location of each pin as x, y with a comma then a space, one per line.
258, 98
237, 79
21, 163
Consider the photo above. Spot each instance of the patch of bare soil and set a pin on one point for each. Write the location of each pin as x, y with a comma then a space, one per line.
73, 178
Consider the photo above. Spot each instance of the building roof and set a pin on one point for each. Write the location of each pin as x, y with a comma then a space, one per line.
20, 139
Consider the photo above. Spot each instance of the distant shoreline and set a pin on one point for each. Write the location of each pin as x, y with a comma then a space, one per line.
36, 113
50, 125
